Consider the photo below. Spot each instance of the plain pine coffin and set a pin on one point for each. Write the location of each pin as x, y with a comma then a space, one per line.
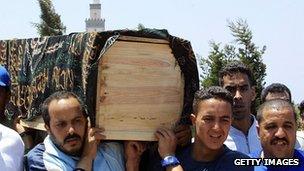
140, 88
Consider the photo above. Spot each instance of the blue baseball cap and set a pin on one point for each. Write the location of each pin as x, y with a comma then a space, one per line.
5, 80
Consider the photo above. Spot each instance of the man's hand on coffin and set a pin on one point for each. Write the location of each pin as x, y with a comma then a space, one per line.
17, 126
166, 142
94, 136
24, 132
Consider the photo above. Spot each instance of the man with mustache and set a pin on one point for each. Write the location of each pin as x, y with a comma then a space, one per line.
71, 144
238, 80
281, 91
277, 130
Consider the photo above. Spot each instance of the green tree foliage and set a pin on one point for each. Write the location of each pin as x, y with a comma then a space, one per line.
211, 66
50, 24
242, 49
140, 26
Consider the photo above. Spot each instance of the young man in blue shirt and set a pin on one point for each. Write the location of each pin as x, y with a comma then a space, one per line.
211, 119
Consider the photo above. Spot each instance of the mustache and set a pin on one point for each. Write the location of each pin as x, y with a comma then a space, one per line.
238, 103
71, 136
275, 140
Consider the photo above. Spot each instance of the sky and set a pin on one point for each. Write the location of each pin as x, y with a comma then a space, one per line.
278, 24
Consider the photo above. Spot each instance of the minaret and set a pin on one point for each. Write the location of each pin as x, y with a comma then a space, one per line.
95, 22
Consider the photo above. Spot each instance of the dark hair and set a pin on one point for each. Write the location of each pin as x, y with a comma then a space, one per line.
235, 67
275, 88
277, 104
301, 107
57, 96
211, 92
7, 89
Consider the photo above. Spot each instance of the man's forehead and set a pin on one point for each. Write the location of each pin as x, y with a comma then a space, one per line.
215, 107
58, 118
64, 102
218, 115
65, 107
275, 113
236, 78
278, 95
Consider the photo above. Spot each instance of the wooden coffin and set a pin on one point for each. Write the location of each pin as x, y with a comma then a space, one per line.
140, 88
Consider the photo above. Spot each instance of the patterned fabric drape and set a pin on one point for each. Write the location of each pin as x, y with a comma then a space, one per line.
41, 66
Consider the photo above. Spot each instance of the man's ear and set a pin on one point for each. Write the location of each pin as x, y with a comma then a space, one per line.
258, 129
193, 119
47, 128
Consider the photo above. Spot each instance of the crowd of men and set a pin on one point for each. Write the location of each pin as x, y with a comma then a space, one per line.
224, 128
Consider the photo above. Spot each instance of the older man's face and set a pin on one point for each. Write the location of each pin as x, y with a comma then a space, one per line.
277, 131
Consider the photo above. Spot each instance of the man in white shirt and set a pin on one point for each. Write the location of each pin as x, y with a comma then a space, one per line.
11, 150
11, 145
238, 80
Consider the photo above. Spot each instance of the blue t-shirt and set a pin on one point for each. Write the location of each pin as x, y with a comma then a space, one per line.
298, 154
225, 162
